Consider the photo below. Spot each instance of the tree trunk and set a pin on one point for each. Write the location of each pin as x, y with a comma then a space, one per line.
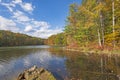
102, 27
113, 21
99, 39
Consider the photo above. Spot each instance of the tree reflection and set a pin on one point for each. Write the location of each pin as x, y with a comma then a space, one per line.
86, 66
93, 66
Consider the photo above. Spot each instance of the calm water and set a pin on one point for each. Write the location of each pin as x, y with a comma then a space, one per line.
64, 65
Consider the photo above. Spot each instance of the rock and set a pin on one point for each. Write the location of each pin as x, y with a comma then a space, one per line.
35, 73
32, 68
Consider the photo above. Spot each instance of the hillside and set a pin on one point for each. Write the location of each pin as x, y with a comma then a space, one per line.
8, 38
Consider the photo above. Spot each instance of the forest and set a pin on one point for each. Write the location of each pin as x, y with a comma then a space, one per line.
92, 24
74, 41
8, 38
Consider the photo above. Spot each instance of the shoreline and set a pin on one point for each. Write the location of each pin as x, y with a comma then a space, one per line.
86, 50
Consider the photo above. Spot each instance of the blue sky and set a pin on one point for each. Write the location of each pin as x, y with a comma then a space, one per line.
39, 18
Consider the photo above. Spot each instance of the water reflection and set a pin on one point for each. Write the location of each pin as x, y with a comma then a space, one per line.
65, 65
93, 67
15, 60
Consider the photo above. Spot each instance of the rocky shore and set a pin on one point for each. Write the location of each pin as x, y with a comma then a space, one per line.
35, 73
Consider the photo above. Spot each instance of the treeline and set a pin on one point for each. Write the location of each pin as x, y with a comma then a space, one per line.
93, 23
58, 39
8, 38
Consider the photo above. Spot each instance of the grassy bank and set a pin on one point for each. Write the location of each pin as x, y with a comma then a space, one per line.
94, 50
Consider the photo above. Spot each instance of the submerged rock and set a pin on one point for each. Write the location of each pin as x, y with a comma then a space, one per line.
35, 73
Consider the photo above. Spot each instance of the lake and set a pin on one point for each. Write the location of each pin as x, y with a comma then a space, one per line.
63, 64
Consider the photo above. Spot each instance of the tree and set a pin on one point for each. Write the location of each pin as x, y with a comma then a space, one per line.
8, 38
96, 20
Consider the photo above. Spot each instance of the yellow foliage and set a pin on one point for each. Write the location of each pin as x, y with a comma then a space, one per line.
112, 37
89, 24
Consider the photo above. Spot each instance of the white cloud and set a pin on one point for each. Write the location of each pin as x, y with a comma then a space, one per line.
20, 16
45, 33
35, 28
40, 24
27, 7
28, 28
10, 6
7, 24
17, 1
41, 29
28, 25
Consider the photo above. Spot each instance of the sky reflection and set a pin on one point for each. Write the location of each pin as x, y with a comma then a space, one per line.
41, 58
